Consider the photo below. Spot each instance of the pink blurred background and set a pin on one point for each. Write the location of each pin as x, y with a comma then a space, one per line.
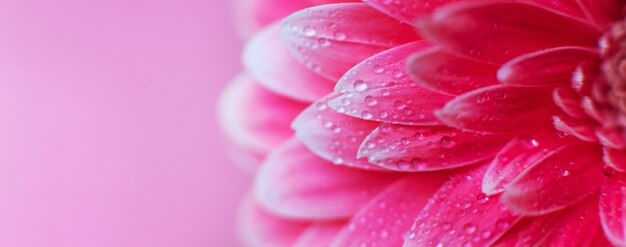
108, 134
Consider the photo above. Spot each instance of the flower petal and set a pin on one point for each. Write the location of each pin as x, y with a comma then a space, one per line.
267, 59
615, 158
581, 129
498, 31
519, 154
568, 100
331, 39
577, 225
460, 214
448, 73
602, 13
254, 118
612, 195
379, 89
407, 148
295, 183
388, 216
319, 234
545, 67
557, 181
500, 109
259, 228
253, 15
569, 7
332, 135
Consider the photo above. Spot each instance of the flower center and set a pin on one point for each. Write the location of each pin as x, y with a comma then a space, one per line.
610, 90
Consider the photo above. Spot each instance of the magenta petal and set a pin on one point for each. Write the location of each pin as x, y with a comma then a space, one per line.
557, 181
602, 13
578, 225
581, 129
331, 39
319, 234
255, 119
545, 67
568, 100
407, 148
295, 183
568, 7
259, 228
380, 89
615, 158
387, 217
492, 30
459, 214
500, 109
408, 11
267, 59
612, 138
612, 194
447, 73
333, 136
519, 154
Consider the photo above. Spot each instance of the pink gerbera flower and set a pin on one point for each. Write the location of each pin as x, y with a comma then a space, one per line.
449, 123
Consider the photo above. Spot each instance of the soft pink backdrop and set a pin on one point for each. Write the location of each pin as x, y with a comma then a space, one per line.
108, 134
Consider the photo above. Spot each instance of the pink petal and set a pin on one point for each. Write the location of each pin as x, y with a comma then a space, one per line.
581, 129
447, 73
500, 109
295, 183
602, 13
615, 158
519, 154
603, 115
569, 7
459, 214
387, 217
379, 89
406, 148
319, 234
545, 67
259, 228
578, 225
331, 39
408, 11
612, 195
267, 59
612, 138
331, 135
568, 100
584, 77
557, 181
254, 118
499, 31
411, 11
253, 15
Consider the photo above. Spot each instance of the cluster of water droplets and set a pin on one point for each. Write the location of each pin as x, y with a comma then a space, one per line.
471, 218
384, 220
380, 89
345, 134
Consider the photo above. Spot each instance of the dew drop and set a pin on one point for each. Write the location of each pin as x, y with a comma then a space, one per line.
469, 228
360, 85
324, 42
370, 101
337, 160
309, 31
366, 115
340, 36
378, 69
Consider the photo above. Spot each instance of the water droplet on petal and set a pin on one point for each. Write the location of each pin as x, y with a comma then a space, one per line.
360, 85
309, 31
